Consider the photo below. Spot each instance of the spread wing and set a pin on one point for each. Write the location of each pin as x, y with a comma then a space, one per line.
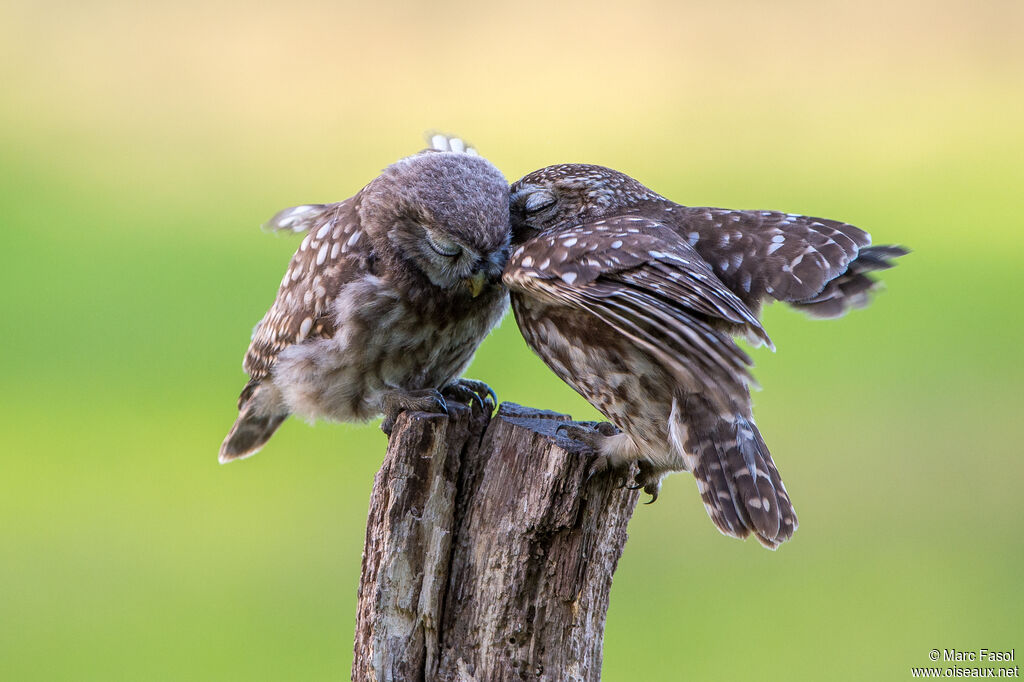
332, 253
786, 256
637, 276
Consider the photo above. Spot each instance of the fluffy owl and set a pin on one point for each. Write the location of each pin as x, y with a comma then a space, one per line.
385, 301
633, 300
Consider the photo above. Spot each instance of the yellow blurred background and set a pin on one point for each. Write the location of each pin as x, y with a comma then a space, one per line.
142, 145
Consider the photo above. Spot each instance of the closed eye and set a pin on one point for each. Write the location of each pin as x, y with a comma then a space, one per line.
538, 201
443, 247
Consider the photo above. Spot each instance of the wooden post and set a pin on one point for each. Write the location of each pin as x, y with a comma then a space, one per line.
488, 554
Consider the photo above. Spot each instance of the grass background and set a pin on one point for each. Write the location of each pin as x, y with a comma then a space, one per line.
142, 145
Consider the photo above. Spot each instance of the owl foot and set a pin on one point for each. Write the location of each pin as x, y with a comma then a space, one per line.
648, 478
396, 402
471, 391
593, 437
619, 471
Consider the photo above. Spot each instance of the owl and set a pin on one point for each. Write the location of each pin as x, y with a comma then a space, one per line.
385, 301
634, 300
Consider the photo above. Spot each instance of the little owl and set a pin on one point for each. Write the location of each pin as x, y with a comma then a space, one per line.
385, 301
633, 300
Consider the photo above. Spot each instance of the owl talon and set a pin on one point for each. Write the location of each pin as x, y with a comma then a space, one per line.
397, 402
602, 464
648, 478
617, 470
592, 437
472, 391
653, 492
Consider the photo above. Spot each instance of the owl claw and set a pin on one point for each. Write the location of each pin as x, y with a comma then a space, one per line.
648, 478
592, 438
472, 391
618, 472
396, 402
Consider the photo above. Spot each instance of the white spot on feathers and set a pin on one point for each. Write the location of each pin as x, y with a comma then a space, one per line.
304, 328
569, 277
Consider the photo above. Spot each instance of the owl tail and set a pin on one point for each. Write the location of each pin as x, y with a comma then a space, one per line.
252, 429
737, 479
853, 288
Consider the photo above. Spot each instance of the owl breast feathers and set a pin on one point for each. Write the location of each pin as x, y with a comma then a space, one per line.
386, 299
633, 301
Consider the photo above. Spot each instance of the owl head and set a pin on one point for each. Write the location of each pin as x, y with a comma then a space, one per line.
444, 215
569, 194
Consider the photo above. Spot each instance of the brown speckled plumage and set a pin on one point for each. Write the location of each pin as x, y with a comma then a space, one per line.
633, 301
388, 295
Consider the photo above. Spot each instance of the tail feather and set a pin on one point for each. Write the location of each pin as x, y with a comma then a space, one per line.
737, 479
251, 430
853, 288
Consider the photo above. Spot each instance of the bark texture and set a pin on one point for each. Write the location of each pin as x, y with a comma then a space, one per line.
488, 554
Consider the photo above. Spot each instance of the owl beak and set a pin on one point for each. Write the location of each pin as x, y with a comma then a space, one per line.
475, 284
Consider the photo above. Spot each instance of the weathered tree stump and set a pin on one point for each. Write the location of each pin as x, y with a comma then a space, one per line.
488, 555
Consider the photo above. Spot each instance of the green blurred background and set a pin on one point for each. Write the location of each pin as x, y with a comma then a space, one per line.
141, 146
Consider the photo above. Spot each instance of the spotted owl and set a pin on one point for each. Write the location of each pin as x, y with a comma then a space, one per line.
385, 301
634, 300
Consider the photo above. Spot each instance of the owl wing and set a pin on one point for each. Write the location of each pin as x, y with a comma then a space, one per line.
332, 253
637, 276
815, 264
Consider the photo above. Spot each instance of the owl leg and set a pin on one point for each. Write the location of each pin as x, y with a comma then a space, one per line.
614, 450
649, 477
470, 391
398, 401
